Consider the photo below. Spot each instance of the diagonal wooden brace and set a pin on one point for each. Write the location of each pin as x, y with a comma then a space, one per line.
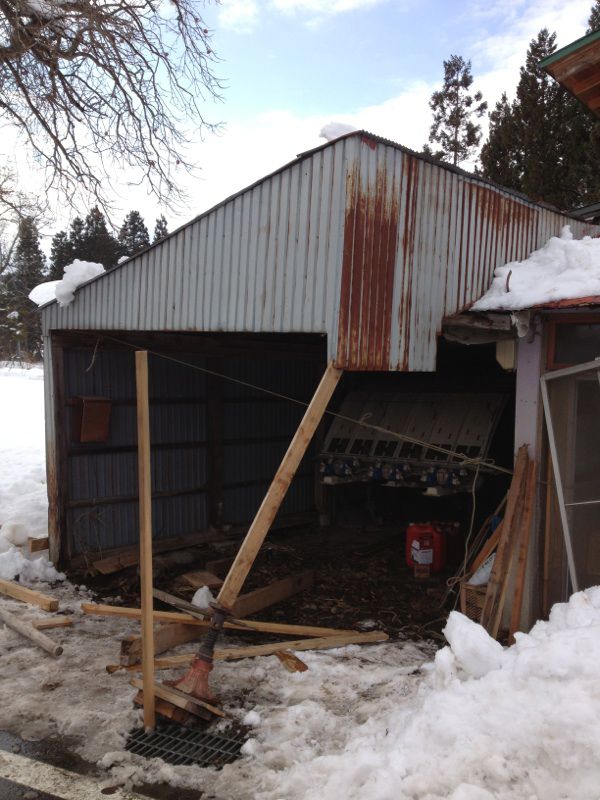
263, 520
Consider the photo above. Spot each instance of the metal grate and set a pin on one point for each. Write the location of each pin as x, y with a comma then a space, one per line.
184, 746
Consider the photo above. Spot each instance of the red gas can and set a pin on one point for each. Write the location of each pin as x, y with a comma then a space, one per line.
426, 546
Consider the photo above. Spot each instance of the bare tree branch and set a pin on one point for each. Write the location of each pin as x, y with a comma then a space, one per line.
91, 84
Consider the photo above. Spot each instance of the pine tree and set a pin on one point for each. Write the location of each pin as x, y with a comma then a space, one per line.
594, 19
133, 235
161, 230
28, 270
453, 107
545, 144
61, 254
77, 238
98, 245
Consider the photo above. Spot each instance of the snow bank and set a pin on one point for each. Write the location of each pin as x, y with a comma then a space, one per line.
74, 275
564, 268
23, 497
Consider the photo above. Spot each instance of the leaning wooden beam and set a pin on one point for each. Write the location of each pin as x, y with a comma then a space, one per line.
525, 533
278, 489
275, 592
165, 637
29, 632
145, 494
18, 592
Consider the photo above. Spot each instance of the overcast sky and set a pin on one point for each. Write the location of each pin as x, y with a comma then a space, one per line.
292, 66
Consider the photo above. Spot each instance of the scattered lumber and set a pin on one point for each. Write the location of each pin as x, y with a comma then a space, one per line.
166, 636
18, 592
201, 578
181, 700
36, 545
247, 625
236, 653
53, 622
27, 630
250, 603
491, 615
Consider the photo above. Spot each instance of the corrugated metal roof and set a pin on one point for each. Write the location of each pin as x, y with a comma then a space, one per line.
360, 239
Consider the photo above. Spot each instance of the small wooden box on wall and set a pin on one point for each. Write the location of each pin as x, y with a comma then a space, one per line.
90, 419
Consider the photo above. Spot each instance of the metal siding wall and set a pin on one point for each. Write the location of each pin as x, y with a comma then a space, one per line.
105, 475
361, 240
249, 414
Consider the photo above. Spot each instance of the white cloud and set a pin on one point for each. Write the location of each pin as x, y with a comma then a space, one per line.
239, 15
322, 7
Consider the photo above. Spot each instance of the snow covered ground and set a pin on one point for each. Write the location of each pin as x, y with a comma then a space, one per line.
473, 721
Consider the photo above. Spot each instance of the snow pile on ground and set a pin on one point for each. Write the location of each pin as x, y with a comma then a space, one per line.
363, 724
74, 275
564, 268
23, 498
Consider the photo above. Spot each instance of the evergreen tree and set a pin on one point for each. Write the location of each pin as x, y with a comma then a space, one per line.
133, 235
161, 230
594, 19
454, 107
98, 245
28, 269
61, 254
77, 238
545, 144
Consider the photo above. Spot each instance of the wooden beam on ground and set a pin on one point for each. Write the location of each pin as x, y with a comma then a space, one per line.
219, 566
525, 534
145, 494
275, 592
278, 489
165, 709
27, 630
281, 628
18, 592
53, 622
184, 701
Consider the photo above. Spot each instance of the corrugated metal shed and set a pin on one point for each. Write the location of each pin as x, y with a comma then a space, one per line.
360, 239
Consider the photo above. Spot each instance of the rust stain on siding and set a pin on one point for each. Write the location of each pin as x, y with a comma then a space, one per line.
369, 255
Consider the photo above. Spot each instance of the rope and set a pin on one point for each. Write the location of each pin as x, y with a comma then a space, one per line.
464, 460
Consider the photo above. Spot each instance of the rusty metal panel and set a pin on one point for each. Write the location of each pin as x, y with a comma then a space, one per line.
360, 239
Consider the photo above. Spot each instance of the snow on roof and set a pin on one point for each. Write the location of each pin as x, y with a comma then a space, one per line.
75, 274
564, 269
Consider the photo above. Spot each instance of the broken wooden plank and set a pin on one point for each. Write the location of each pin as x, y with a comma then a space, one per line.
18, 592
53, 622
37, 544
27, 630
275, 592
192, 705
166, 709
201, 578
166, 637
248, 625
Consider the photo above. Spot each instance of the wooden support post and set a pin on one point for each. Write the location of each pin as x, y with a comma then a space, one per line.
530, 495
278, 488
145, 494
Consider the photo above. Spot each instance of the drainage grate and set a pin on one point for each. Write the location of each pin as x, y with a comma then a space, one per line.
185, 746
